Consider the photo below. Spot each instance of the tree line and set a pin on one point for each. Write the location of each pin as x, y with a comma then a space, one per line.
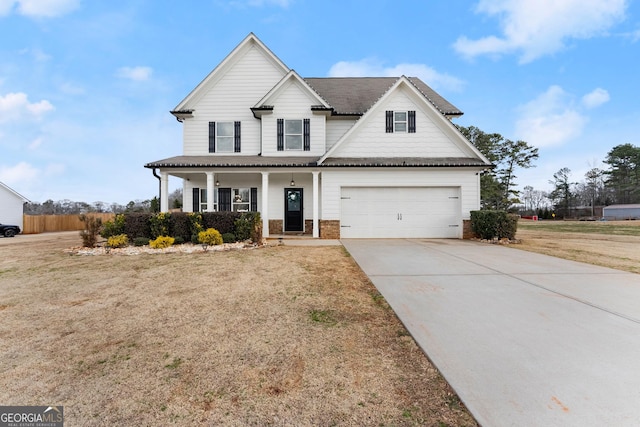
70, 207
618, 182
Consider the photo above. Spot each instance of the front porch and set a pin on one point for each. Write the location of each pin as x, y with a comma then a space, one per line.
288, 200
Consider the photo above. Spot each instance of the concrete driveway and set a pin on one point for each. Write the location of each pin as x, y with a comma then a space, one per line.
524, 339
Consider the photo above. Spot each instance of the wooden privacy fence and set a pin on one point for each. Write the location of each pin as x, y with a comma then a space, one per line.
34, 224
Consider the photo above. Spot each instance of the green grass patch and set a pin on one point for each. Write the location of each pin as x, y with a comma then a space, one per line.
322, 316
593, 227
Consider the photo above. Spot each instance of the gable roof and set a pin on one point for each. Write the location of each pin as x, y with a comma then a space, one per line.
403, 81
292, 76
355, 95
12, 191
185, 107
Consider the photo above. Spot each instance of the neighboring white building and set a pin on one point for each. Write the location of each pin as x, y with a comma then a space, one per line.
11, 206
620, 212
331, 157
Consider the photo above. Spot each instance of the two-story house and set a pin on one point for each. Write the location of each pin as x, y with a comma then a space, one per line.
330, 157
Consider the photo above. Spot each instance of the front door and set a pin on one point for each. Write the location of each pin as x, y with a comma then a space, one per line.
293, 218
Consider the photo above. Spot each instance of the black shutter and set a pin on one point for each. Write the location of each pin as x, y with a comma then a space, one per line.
254, 199
411, 117
389, 127
306, 134
224, 199
212, 137
236, 137
280, 134
196, 200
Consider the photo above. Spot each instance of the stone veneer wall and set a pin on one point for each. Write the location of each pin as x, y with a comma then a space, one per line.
329, 229
275, 226
467, 232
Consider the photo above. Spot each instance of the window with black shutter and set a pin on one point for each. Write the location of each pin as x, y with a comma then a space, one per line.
254, 199
411, 117
280, 134
389, 122
196, 200
307, 134
236, 137
212, 137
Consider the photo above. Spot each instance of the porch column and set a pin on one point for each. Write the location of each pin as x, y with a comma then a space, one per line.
164, 192
265, 204
316, 204
210, 188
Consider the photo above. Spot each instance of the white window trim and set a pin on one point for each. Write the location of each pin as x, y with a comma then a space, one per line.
235, 192
405, 121
232, 136
301, 134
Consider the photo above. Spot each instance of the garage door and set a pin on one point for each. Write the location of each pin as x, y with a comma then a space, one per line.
400, 212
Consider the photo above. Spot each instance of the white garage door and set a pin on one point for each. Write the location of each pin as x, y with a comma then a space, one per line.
400, 212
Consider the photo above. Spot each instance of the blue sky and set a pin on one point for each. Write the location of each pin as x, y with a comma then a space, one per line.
86, 86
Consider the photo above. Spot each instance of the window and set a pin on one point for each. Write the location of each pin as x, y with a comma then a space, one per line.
224, 137
240, 199
294, 135
401, 121
200, 200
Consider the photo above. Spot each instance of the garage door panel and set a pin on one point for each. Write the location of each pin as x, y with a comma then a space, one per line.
400, 212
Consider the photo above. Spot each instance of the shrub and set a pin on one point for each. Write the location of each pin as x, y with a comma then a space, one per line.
490, 224
119, 241
195, 225
159, 224
161, 242
210, 236
229, 238
137, 225
113, 227
140, 241
180, 226
92, 227
224, 222
249, 226
178, 240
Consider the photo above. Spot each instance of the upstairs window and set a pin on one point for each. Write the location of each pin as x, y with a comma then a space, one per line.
294, 135
400, 121
224, 137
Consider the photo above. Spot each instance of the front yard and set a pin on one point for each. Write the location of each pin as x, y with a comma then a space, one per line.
272, 336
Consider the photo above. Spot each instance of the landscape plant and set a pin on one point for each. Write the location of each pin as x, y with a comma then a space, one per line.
118, 241
113, 227
92, 227
161, 242
210, 236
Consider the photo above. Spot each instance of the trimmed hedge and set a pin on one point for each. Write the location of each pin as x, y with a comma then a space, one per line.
491, 224
186, 226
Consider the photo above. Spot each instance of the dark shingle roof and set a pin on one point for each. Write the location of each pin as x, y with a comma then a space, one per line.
260, 161
355, 95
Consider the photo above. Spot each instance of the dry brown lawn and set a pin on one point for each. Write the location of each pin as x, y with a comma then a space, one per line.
614, 244
278, 335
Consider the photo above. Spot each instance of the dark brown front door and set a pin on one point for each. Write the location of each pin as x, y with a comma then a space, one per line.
293, 217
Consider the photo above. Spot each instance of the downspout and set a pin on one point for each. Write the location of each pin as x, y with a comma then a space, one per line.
159, 188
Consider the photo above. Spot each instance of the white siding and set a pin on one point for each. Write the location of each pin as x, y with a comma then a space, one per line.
293, 103
336, 128
334, 180
242, 86
431, 139
11, 208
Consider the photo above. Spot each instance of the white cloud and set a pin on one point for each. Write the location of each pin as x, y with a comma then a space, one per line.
137, 74
21, 173
535, 28
39, 8
550, 119
280, 3
372, 68
16, 105
35, 144
595, 98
